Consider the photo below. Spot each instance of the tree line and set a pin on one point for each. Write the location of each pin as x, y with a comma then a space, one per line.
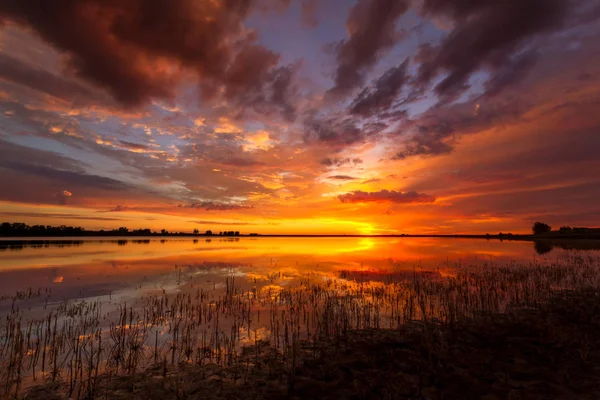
544, 230
18, 229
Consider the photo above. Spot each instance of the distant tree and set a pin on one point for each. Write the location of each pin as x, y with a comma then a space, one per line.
236, 233
123, 230
565, 229
5, 227
196, 231
220, 233
163, 231
208, 233
540, 227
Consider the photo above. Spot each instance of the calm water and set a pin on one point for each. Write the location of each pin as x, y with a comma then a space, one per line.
123, 269
200, 300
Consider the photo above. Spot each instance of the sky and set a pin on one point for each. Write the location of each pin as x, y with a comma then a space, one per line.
300, 116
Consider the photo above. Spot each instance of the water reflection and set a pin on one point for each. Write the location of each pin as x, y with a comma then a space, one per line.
546, 246
131, 267
542, 247
149, 291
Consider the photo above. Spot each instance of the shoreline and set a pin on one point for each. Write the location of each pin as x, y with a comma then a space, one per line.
508, 237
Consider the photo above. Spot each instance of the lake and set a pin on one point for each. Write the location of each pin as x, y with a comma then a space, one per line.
126, 267
126, 303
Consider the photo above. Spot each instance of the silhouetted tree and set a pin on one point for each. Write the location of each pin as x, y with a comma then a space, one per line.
208, 233
196, 231
542, 247
540, 227
236, 233
565, 229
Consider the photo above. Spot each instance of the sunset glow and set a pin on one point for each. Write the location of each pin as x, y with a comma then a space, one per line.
301, 116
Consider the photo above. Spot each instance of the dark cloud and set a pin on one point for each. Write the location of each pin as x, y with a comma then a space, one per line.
58, 215
203, 222
435, 140
338, 162
510, 73
248, 70
438, 129
384, 196
371, 26
332, 131
119, 208
283, 92
13, 153
122, 46
216, 206
239, 162
21, 73
485, 34
394, 115
62, 176
60, 170
336, 131
273, 92
342, 178
381, 96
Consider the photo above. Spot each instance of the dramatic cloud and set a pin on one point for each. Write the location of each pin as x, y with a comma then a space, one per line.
231, 105
65, 177
273, 91
380, 97
235, 223
513, 71
438, 129
429, 141
57, 169
136, 49
484, 34
342, 178
24, 74
214, 206
371, 26
61, 216
338, 162
119, 208
338, 131
385, 196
